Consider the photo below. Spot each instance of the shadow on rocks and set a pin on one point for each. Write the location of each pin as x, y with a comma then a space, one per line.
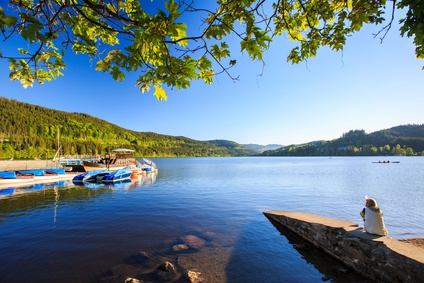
143, 267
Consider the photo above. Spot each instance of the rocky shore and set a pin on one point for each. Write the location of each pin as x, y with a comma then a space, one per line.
199, 257
381, 259
182, 261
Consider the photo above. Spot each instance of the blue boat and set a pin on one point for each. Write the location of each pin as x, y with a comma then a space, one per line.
7, 177
118, 175
88, 176
39, 174
61, 173
35, 172
55, 170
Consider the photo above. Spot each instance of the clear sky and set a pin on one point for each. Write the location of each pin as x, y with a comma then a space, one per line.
369, 86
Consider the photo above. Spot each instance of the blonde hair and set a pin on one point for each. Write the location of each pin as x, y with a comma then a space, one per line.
372, 203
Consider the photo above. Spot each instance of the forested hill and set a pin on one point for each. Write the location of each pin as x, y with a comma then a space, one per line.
400, 140
30, 131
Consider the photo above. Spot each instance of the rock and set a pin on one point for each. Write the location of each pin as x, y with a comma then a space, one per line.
132, 280
193, 242
166, 271
142, 256
194, 276
166, 266
138, 258
180, 247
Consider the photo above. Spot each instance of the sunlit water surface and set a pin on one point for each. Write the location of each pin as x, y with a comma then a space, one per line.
66, 233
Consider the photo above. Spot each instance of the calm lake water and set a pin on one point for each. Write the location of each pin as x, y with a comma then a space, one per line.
67, 233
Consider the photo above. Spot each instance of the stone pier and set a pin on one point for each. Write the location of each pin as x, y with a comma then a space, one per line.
382, 259
14, 165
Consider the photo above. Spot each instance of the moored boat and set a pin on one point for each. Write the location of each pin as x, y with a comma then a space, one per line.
120, 158
88, 176
7, 177
38, 174
148, 166
61, 173
71, 164
118, 175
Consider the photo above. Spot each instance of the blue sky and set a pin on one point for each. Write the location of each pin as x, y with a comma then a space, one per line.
369, 86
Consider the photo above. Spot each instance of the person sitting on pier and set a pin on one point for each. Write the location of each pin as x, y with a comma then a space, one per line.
373, 218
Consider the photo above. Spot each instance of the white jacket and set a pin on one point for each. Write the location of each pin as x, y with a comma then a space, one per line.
374, 222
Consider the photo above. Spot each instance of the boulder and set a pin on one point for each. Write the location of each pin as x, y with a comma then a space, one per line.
194, 276
180, 247
132, 280
166, 271
193, 242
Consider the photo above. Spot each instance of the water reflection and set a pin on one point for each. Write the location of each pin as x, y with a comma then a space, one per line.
7, 192
31, 196
103, 231
145, 179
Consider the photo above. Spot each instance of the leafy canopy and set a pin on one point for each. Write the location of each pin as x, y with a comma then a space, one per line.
153, 39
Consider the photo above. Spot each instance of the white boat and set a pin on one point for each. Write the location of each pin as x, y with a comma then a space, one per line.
7, 177
148, 166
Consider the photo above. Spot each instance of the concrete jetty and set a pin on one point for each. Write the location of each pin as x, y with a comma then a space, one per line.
382, 259
14, 165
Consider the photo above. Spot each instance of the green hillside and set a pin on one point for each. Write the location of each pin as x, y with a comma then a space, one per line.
29, 131
400, 140
234, 148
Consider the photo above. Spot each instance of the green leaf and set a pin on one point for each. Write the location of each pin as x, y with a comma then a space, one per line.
178, 32
160, 93
8, 21
102, 66
172, 8
117, 74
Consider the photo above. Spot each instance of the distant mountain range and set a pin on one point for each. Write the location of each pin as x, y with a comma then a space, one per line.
400, 140
261, 148
31, 131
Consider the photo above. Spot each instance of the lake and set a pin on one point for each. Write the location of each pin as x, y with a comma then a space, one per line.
62, 232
